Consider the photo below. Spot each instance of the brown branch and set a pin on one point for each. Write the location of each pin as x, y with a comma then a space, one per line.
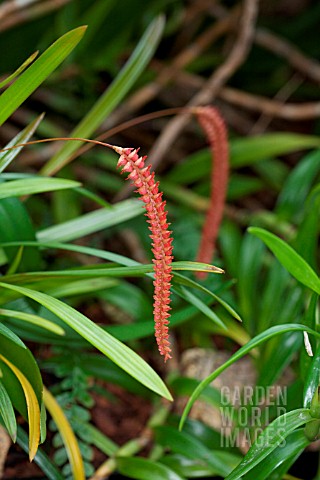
16, 15
309, 67
216, 81
257, 103
288, 111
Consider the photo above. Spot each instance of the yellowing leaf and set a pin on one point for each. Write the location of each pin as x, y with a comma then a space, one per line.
32, 406
67, 435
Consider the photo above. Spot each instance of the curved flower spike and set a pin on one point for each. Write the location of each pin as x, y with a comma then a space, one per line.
215, 129
148, 188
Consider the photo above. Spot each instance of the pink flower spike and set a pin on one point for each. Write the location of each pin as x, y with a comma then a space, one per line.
215, 129
143, 179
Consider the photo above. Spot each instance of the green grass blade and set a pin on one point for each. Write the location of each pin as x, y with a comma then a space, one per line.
273, 436
312, 380
144, 469
28, 186
7, 413
119, 353
201, 306
245, 151
113, 257
30, 80
298, 185
111, 98
188, 445
19, 70
295, 443
289, 258
33, 319
22, 137
41, 458
253, 343
92, 222
181, 279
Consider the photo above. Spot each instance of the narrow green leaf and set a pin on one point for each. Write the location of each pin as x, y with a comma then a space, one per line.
92, 222
190, 446
19, 70
7, 413
297, 186
15, 262
6, 332
111, 98
81, 287
295, 443
253, 343
197, 302
273, 436
113, 257
187, 467
22, 137
191, 283
30, 80
245, 151
112, 348
41, 458
306, 241
33, 319
312, 381
144, 469
28, 186
289, 258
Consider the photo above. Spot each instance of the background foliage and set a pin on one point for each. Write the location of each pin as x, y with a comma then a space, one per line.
76, 294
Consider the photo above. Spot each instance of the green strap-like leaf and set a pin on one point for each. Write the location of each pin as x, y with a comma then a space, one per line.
289, 258
28, 186
245, 151
41, 458
281, 457
197, 302
144, 469
273, 436
298, 185
92, 222
190, 446
33, 319
7, 413
112, 348
30, 80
